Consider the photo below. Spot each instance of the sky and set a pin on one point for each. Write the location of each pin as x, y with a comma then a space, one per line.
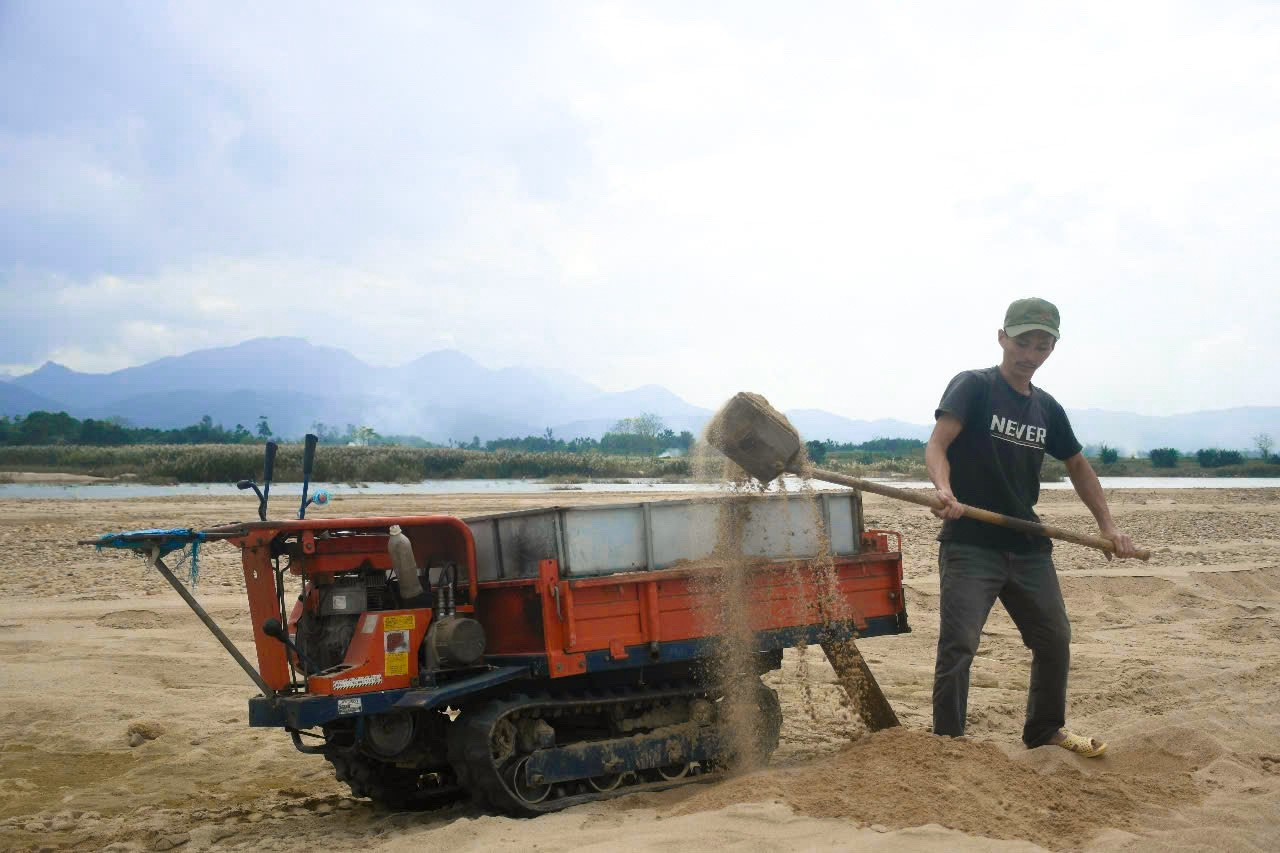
828, 203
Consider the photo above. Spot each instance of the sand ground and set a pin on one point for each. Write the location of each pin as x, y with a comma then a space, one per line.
122, 722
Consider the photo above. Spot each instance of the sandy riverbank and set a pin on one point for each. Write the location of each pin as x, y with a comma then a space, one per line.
1177, 663
53, 478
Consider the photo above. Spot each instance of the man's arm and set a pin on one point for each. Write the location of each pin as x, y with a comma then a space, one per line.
1086, 484
945, 431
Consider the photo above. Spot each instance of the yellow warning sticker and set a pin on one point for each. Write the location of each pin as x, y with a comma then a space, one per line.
398, 623
397, 664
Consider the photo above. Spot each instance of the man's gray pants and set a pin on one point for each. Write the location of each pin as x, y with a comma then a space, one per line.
972, 578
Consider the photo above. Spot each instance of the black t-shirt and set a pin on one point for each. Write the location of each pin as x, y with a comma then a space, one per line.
996, 458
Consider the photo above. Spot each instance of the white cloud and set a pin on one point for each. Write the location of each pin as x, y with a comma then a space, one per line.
831, 206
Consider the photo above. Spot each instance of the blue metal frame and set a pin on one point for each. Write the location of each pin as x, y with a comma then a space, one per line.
439, 697
309, 710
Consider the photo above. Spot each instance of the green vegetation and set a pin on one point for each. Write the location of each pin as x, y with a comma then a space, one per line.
1189, 466
645, 435
61, 428
1052, 471
214, 463
1214, 458
208, 453
911, 469
870, 452
879, 457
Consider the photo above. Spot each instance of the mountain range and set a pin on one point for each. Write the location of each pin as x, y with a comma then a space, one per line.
447, 395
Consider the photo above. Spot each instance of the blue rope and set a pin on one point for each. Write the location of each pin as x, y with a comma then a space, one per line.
166, 540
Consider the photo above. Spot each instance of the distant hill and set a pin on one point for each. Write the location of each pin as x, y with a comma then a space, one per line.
442, 395
16, 400
447, 395
265, 364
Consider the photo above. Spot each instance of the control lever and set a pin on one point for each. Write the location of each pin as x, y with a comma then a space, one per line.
265, 492
273, 628
308, 460
268, 470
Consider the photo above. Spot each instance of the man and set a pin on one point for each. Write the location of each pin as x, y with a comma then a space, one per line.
992, 430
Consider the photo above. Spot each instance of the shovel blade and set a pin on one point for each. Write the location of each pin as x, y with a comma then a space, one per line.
756, 436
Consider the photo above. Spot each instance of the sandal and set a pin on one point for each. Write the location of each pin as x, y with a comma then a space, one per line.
1082, 746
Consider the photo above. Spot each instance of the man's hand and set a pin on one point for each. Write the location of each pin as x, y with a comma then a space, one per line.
951, 508
1124, 545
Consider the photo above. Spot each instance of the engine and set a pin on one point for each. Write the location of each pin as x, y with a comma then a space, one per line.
323, 633
325, 628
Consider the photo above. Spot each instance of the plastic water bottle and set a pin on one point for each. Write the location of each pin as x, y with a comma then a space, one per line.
403, 564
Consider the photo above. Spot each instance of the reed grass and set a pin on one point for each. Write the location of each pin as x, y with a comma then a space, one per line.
219, 463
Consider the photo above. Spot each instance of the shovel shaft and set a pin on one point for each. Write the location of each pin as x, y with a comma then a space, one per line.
863, 690
933, 502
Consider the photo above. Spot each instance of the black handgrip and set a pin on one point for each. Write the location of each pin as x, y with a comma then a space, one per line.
269, 466
273, 628
308, 456
308, 459
268, 469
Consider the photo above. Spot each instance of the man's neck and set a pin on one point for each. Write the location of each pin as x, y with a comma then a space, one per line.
1023, 387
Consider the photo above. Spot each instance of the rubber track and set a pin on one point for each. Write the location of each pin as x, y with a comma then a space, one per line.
470, 755
391, 786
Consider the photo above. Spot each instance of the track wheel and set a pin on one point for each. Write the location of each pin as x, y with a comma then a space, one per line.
523, 789
607, 782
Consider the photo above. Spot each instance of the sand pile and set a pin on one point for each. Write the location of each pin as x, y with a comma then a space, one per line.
900, 778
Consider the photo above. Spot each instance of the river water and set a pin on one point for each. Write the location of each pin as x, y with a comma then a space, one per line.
115, 491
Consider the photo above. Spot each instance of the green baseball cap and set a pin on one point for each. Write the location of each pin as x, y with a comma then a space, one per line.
1026, 315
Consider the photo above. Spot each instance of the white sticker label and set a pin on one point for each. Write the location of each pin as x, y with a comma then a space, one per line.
370, 624
339, 602
360, 681
350, 705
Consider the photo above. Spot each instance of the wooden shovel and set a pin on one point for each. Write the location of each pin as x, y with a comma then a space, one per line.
765, 445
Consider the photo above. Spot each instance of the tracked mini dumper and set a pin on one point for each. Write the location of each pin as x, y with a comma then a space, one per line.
568, 654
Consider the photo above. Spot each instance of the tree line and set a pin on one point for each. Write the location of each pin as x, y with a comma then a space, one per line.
1205, 457
644, 435
875, 450
46, 428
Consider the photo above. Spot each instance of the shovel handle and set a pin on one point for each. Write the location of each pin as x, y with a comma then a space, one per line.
934, 502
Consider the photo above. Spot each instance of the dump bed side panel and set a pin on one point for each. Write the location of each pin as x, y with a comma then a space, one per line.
569, 619
588, 541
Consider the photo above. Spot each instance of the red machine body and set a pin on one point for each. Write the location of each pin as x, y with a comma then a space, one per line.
551, 623
578, 651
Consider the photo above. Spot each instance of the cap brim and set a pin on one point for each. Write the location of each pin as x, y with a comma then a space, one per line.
1014, 331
